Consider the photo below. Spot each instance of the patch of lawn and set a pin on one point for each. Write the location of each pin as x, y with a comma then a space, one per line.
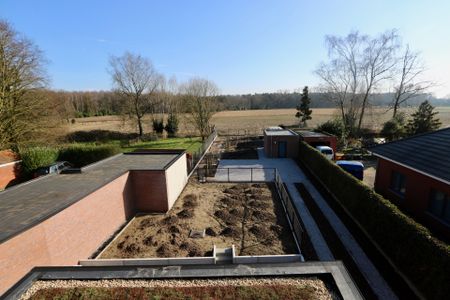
190, 144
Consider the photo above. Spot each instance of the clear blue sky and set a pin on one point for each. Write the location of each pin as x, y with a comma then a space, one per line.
244, 46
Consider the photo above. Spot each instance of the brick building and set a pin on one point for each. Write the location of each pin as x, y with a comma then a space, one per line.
60, 219
280, 143
414, 173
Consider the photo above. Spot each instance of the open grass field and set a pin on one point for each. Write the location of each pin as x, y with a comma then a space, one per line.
252, 120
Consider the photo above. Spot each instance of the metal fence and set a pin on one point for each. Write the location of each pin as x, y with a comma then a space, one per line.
198, 155
291, 211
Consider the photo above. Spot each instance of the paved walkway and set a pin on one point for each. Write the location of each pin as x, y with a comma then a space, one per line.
290, 173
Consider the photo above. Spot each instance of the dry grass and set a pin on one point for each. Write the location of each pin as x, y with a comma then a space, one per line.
248, 216
254, 120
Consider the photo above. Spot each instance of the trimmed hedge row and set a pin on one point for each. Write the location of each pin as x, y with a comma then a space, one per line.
78, 155
35, 157
82, 155
410, 246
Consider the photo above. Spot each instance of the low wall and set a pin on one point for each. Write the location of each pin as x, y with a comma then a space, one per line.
9, 172
171, 261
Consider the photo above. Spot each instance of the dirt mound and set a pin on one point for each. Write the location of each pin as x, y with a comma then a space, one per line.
209, 231
237, 212
262, 216
132, 249
186, 214
226, 217
148, 241
174, 229
164, 251
259, 204
277, 229
259, 231
194, 250
190, 201
147, 222
230, 232
170, 219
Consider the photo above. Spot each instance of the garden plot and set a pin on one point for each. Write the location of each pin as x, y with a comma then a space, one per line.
248, 216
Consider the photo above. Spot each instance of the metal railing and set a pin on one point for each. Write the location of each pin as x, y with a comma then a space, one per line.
197, 156
289, 207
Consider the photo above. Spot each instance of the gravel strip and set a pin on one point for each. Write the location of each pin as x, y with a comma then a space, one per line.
321, 292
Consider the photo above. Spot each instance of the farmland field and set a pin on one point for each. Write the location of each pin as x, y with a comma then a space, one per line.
252, 120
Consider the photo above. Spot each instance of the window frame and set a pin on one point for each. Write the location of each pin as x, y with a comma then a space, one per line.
441, 215
395, 187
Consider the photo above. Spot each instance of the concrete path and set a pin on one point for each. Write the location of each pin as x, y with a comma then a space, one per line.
291, 174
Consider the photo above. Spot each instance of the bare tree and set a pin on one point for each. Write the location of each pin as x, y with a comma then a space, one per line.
199, 96
409, 82
137, 80
341, 76
24, 110
358, 64
378, 63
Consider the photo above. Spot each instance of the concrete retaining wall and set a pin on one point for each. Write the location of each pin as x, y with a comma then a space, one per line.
172, 261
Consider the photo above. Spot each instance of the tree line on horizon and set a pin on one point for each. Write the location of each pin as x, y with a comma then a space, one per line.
79, 104
358, 67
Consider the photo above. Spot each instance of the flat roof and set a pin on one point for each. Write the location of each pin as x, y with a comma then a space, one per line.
312, 134
278, 131
28, 204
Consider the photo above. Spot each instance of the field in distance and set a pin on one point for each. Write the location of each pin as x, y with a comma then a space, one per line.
253, 120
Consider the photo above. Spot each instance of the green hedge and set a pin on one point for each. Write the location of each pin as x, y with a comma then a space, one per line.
410, 246
35, 157
82, 155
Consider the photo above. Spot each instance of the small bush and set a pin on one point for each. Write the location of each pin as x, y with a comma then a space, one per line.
158, 126
172, 125
335, 127
82, 155
422, 258
33, 158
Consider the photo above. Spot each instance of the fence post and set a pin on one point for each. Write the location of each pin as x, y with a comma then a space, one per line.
251, 175
228, 169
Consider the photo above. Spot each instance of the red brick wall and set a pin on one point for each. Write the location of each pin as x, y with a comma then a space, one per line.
72, 234
271, 145
8, 173
149, 191
417, 194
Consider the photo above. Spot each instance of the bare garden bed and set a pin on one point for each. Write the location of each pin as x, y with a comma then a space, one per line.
248, 216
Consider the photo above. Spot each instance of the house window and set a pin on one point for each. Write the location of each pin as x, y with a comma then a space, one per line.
439, 205
398, 183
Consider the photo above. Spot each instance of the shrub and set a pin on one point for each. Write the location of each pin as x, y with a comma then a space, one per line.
172, 125
158, 126
394, 128
410, 246
35, 157
82, 155
334, 127
99, 136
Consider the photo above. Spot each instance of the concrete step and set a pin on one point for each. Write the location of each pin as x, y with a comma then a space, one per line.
224, 255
